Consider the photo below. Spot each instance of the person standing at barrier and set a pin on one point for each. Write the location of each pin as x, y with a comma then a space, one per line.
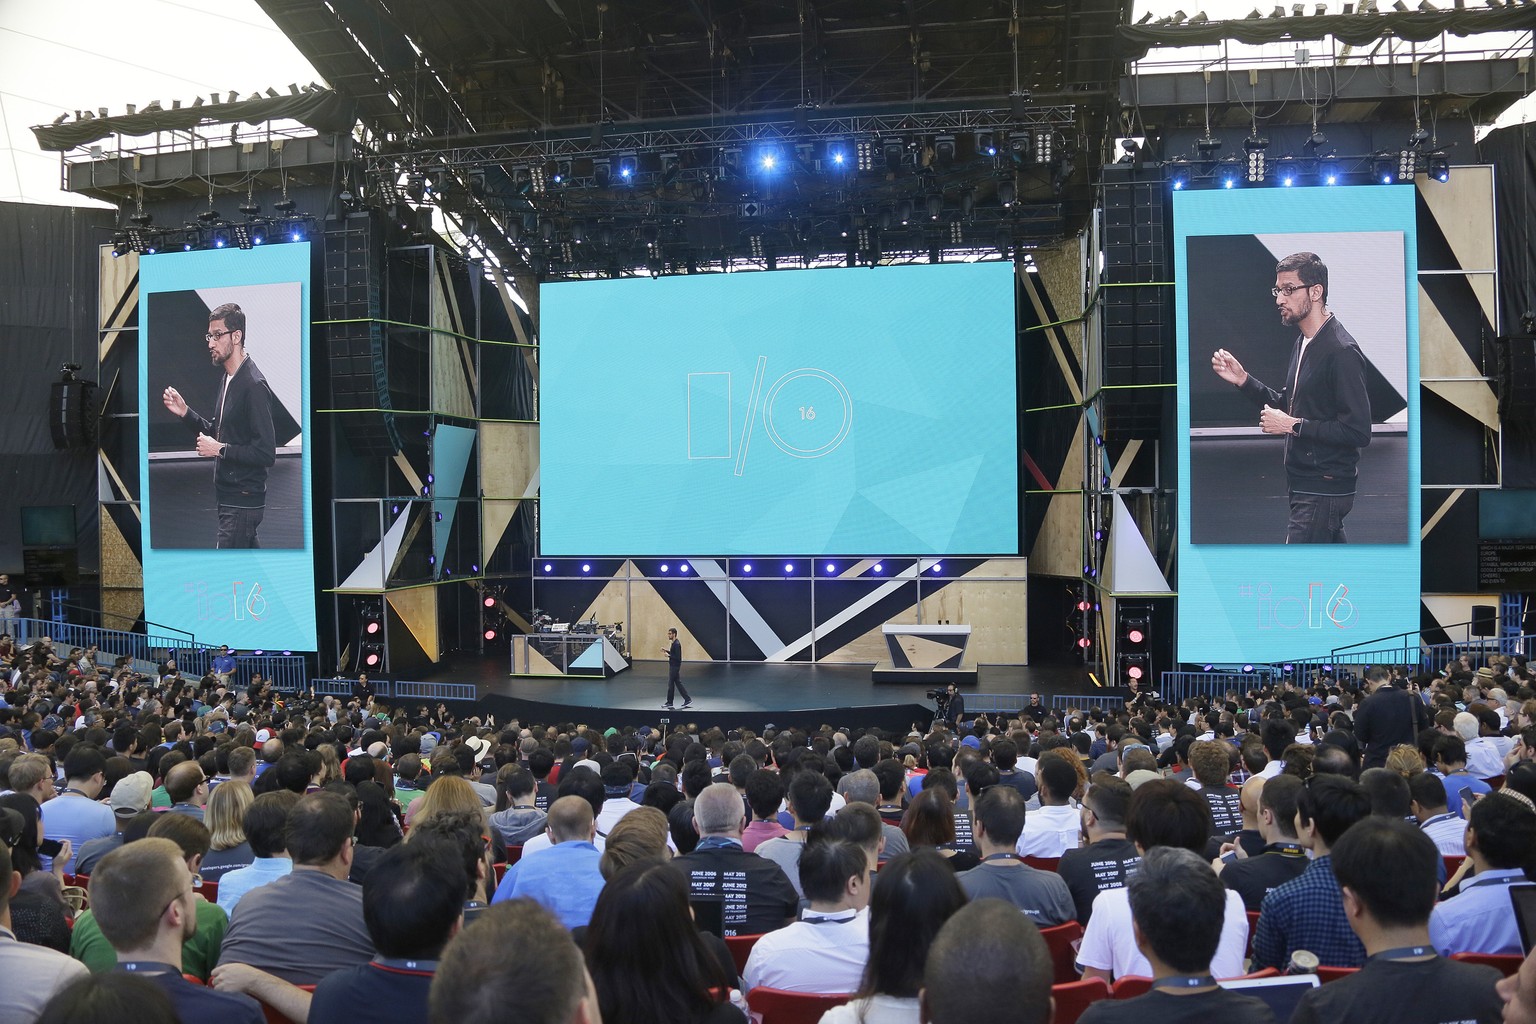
240, 436
674, 652
10, 605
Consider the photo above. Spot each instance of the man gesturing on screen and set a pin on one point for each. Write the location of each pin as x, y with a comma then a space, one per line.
1322, 409
239, 437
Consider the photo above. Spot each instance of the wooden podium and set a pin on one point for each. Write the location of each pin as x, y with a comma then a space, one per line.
926, 654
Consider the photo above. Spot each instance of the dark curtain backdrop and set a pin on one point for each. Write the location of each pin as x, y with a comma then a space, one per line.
1512, 152
47, 318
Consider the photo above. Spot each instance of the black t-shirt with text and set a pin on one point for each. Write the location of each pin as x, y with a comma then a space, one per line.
1090, 870
1437, 991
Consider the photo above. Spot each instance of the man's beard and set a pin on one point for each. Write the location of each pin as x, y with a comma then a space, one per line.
213, 357
1291, 321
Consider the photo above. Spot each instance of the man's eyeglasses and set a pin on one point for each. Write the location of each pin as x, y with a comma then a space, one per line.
1286, 290
216, 335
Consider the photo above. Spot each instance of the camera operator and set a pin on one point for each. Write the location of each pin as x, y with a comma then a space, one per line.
951, 704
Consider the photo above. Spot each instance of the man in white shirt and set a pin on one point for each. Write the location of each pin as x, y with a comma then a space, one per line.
32, 973
1057, 826
1162, 813
1483, 759
1438, 821
618, 778
825, 951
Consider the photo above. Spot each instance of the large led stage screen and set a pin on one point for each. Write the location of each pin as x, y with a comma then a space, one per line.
223, 419
850, 411
1298, 419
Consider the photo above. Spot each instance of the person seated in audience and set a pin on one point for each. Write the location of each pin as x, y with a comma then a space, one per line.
37, 907
764, 794
1212, 766
1450, 754
225, 818
1055, 828
578, 782
518, 962
33, 974
649, 962
917, 894
130, 798
1042, 895
753, 893
929, 824
1107, 857
201, 950
1177, 910
1306, 912
1388, 792
1005, 757
413, 904
265, 824
863, 787
827, 949
987, 963
520, 819
268, 930
462, 832
809, 797
1282, 858
187, 787
1386, 871
115, 998
1437, 820
1161, 813
565, 878
1484, 758
1500, 841
146, 908
75, 814
642, 835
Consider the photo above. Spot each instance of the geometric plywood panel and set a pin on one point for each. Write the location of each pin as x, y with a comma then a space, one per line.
416, 609
996, 611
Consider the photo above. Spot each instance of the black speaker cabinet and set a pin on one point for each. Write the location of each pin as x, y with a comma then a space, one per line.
1485, 620
72, 414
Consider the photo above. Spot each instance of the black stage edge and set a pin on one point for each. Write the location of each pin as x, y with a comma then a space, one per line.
730, 695
885, 673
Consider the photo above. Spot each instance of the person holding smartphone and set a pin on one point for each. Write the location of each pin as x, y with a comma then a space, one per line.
37, 909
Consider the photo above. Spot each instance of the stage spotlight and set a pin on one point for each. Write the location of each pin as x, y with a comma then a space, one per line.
935, 203
585, 567
893, 151
831, 568
1439, 166
490, 602
1084, 606
602, 173
1005, 193
1231, 172
1407, 163
937, 567
789, 567
1285, 171
1257, 168
1328, 171
665, 567
879, 567
747, 567
768, 159
373, 654
1178, 174
1208, 146
548, 567
372, 627
1207, 668
627, 169
683, 569
490, 634
986, 144
1384, 167
1084, 642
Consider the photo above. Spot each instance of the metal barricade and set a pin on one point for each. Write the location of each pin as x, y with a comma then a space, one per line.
1086, 700
1176, 686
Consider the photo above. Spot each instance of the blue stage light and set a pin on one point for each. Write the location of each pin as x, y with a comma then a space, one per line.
585, 567
1178, 174
1230, 181
218, 243
682, 569
747, 567
879, 567
548, 567
789, 567
831, 568
666, 568
937, 566
1288, 181
768, 161
839, 157
1247, 668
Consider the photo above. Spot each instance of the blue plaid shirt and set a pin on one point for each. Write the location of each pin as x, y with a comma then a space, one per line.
1306, 913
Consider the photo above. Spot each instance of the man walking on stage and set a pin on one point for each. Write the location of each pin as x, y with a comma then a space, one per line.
674, 653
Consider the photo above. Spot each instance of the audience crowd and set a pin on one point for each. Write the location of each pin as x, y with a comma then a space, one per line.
204, 849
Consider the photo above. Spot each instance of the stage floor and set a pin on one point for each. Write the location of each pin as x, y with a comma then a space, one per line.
740, 694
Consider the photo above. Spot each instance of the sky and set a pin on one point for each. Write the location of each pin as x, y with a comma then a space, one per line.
63, 55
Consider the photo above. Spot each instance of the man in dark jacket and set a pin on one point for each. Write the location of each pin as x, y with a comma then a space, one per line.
239, 436
1388, 717
1322, 409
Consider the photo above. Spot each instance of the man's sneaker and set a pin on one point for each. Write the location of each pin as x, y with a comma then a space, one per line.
668, 707
687, 704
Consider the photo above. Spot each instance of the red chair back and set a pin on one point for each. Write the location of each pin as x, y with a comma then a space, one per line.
1059, 940
776, 1006
1043, 863
1075, 996
1130, 986
1495, 782
741, 948
500, 870
1327, 974
1507, 963
1452, 863
1253, 926
209, 891
514, 854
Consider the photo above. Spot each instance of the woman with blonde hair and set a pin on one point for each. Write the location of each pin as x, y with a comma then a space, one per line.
449, 793
1405, 760
225, 816
330, 765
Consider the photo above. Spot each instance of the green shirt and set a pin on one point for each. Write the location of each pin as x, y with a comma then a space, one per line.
159, 797
199, 954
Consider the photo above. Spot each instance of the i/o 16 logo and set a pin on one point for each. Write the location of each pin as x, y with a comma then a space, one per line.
1322, 606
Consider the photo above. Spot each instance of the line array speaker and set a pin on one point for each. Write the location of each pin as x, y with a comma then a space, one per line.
72, 414
1137, 339
359, 371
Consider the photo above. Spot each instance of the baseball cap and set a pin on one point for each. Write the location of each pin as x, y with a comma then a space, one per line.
132, 793
1141, 777
262, 735
579, 745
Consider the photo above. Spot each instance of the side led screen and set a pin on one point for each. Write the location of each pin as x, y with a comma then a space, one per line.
800, 412
223, 423
1298, 418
